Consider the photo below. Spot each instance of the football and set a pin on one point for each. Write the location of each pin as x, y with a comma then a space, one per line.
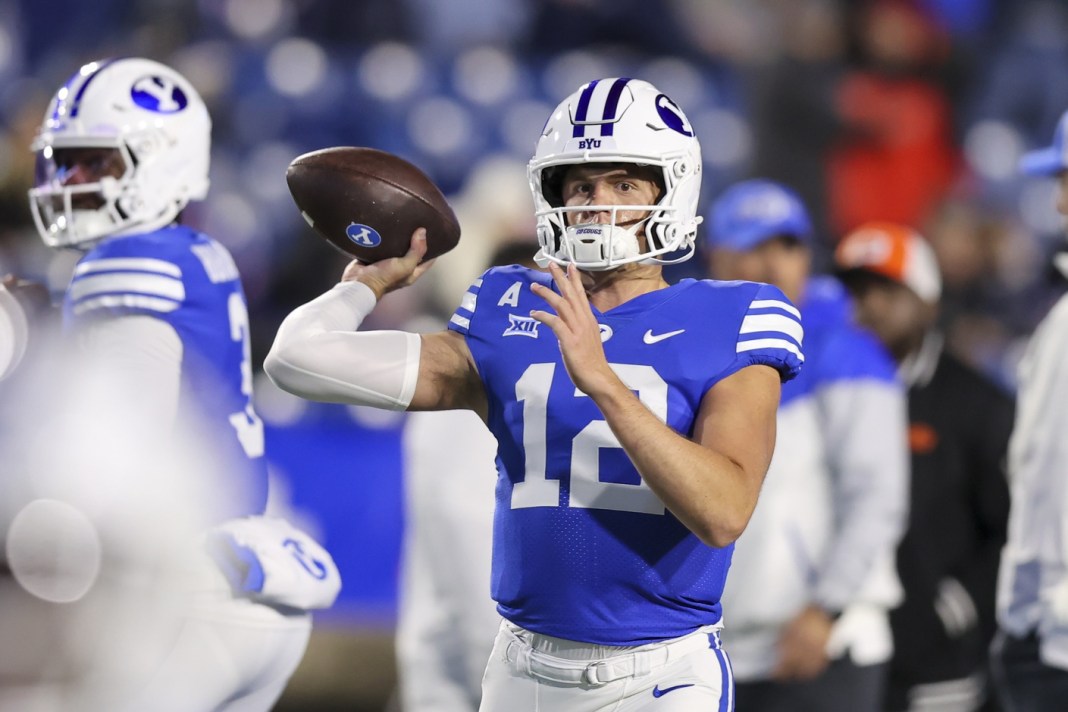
367, 203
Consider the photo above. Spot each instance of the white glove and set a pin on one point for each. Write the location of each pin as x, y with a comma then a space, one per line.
269, 560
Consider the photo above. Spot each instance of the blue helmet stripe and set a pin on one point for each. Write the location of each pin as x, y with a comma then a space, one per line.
611, 104
81, 91
583, 107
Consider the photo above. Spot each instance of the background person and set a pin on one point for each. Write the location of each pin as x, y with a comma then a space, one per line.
808, 598
959, 425
1030, 655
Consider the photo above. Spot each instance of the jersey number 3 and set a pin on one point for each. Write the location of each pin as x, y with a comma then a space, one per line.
246, 423
586, 490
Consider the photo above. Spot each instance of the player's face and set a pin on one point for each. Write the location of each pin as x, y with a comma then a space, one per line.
781, 261
79, 166
609, 184
894, 312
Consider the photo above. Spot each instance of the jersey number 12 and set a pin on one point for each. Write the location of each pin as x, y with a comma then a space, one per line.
586, 490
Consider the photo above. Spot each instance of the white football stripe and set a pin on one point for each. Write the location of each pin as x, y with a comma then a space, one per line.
770, 344
468, 302
775, 304
135, 264
755, 323
136, 301
151, 284
460, 321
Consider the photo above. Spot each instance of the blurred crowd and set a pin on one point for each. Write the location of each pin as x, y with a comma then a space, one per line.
908, 110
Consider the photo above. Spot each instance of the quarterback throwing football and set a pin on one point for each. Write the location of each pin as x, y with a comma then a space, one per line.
635, 420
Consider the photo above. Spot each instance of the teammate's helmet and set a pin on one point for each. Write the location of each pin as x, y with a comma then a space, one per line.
617, 121
158, 125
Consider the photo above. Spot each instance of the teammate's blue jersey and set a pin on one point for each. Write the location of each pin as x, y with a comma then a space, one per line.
838, 349
583, 549
189, 281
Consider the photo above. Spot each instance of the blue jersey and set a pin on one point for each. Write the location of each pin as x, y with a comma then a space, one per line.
583, 549
838, 349
189, 281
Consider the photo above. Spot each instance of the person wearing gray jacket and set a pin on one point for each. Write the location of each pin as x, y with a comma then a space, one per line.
807, 603
1030, 654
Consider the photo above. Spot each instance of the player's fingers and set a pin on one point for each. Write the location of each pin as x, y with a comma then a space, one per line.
563, 308
550, 320
561, 279
554, 299
417, 246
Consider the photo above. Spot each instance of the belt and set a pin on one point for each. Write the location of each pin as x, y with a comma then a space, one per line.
600, 672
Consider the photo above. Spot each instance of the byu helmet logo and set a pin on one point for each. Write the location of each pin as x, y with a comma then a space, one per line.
672, 115
363, 235
159, 94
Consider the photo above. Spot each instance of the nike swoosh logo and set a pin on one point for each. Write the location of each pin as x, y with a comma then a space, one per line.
649, 338
657, 692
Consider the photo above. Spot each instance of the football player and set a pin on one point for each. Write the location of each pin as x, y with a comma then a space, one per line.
810, 593
635, 419
123, 147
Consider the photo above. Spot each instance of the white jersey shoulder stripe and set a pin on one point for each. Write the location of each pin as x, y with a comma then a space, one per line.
770, 344
120, 282
128, 264
468, 301
758, 323
460, 321
775, 304
126, 300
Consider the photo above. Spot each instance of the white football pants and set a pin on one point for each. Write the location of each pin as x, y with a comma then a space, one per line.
228, 655
532, 672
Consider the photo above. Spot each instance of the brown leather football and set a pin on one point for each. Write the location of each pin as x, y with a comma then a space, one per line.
367, 203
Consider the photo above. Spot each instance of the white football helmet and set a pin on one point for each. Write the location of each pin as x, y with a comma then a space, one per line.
617, 120
159, 126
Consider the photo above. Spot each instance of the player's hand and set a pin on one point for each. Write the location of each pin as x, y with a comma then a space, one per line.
396, 272
803, 645
576, 329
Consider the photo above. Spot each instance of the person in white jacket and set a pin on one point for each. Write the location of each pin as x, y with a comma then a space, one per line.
1030, 655
808, 597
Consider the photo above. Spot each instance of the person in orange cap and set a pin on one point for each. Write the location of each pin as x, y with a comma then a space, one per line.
959, 425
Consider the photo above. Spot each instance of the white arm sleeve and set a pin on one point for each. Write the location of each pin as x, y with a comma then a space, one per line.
318, 354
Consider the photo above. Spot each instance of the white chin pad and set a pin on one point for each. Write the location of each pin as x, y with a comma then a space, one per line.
595, 243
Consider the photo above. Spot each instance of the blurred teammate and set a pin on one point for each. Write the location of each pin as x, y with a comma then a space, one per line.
123, 148
959, 424
447, 620
1030, 657
808, 596
634, 420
